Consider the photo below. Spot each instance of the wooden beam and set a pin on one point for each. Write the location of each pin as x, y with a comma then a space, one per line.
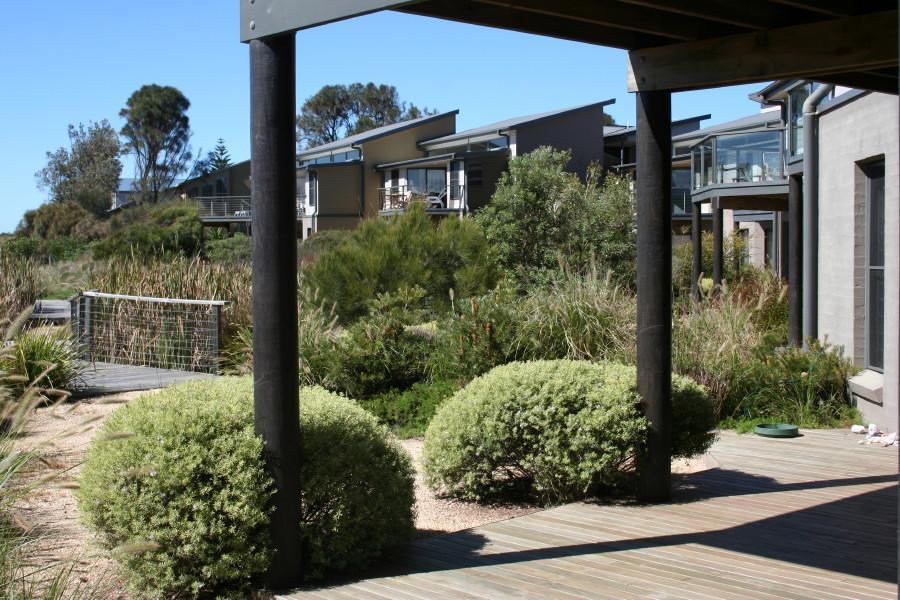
613, 13
653, 197
830, 8
809, 51
750, 15
874, 81
273, 111
507, 17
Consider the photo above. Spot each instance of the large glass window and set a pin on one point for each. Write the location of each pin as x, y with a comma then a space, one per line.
748, 157
875, 267
426, 181
796, 98
313, 188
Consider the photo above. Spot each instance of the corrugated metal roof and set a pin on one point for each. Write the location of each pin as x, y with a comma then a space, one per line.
371, 134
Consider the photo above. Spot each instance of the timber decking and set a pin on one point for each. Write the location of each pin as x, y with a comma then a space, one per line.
107, 378
809, 517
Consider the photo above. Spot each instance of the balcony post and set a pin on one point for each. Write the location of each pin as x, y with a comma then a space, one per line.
718, 247
697, 247
795, 261
274, 225
653, 196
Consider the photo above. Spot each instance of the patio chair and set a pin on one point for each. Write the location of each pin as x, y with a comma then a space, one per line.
439, 201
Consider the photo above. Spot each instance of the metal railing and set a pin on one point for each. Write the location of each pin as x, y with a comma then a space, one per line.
400, 197
236, 207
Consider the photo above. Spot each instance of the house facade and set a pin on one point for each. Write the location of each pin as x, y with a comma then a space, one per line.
844, 190
381, 171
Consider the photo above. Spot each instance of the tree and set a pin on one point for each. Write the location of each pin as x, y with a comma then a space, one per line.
339, 110
86, 173
215, 160
541, 214
219, 158
157, 131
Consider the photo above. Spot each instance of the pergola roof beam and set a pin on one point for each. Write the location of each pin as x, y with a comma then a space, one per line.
814, 50
621, 15
750, 15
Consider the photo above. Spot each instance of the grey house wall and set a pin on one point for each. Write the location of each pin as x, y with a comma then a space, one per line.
580, 131
491, 166
862, 130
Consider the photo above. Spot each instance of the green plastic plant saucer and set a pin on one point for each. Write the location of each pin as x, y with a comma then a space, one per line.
778, 430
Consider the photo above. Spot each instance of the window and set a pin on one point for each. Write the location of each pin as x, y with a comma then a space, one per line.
426, 181
875, 266
313, 188
474, 174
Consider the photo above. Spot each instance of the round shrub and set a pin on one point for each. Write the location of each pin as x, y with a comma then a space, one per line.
175, 482
554, 430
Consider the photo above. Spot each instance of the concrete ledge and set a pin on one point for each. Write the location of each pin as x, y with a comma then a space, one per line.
867, 386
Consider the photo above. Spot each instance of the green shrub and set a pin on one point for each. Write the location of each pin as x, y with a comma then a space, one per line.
383, 256
733, 250
160, 231
409, 412
358, 486
541, 212
808, 387
234, 249
19, 246
555, 430
381, 352
479, 335
44, 357
582, 317
176, 483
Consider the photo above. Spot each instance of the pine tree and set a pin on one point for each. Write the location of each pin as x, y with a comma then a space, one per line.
219, 158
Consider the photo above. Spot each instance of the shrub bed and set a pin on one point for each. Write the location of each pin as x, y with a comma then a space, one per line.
176, 484
552, 430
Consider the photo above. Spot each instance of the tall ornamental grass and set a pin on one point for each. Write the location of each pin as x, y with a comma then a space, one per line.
181, 277
20, 285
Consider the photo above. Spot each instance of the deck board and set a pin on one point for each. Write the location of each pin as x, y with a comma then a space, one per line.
810, 517
99, 378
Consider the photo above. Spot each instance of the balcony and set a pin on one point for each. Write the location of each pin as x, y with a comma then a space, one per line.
448, 200
235, 209
738, 159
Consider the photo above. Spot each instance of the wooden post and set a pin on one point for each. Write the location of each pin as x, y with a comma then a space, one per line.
653, 195
697, 243
718, 248
795, 261
275, 360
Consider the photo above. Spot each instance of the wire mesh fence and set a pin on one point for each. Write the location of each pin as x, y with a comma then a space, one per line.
153, 332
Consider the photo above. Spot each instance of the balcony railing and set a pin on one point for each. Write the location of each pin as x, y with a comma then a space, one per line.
738, 158
235, 207
399, 198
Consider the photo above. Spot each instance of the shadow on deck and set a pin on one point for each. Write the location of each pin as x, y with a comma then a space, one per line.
813, 517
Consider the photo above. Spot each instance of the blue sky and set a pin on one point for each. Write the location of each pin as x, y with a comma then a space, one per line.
68, 62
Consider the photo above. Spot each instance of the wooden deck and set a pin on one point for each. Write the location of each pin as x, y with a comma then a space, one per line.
101, 378
810, 517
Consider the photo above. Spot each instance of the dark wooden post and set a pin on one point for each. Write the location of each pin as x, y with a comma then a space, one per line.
718, 247
795, 261
697, 243
274, 219
653, 195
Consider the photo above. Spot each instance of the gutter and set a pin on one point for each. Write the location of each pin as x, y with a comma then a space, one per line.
811, 213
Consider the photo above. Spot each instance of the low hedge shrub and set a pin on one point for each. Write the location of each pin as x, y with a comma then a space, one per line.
176, 483
552, 430
408, 412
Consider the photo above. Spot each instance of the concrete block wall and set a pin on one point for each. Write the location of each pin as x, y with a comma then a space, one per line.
858, 131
